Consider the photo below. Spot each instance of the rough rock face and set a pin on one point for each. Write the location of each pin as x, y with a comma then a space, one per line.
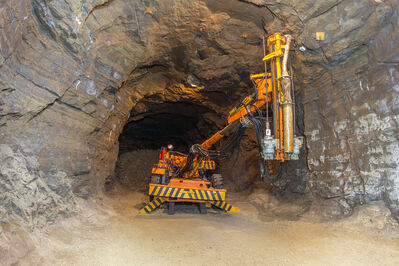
351, 105
132, 168
72, 71
348, 91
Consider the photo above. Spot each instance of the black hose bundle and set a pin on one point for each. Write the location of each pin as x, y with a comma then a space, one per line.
256, 122
195, 150
227, 150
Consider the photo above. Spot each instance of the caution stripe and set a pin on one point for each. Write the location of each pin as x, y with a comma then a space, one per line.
152, 205
181, 193
208, 164
175, 191
225, 206
151, 190
218, 197
197, 195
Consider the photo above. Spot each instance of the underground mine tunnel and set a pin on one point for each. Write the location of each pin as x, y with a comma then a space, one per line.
93, 92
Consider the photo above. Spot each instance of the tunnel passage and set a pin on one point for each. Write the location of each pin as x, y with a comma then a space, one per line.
171, 118
156, 123
157, 130
168, 123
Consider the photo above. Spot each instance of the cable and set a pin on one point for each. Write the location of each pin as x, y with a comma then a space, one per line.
228, 149
256, 89
262, 164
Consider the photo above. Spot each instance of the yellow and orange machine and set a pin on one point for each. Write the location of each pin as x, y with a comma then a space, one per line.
193, 178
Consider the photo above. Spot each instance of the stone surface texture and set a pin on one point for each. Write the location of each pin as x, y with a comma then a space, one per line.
74, 72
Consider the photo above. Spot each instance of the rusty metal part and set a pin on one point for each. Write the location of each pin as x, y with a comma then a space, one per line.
288, 39
288, 128
288, 113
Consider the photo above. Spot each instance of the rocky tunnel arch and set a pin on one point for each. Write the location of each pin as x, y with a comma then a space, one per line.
72, 71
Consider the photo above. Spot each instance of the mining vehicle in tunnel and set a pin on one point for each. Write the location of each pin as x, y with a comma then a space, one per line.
192, 178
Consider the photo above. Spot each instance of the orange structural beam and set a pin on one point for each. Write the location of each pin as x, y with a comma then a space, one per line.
261, 84
207, 144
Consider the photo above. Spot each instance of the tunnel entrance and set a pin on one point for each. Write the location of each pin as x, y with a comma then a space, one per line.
172, 125
155, 122
181, 112
152, 125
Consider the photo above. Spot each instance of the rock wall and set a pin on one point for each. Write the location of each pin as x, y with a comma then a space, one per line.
71, 72
348, 93
351, 105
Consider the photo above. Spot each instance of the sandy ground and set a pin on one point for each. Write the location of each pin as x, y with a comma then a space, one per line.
117, 235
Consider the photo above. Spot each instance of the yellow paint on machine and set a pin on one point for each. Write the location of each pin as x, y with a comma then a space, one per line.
183, 193
225, 206
208, 164
152, 205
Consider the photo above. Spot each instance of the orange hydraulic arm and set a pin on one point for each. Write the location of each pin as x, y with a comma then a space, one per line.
274, 88
207, 144
242, 110
268, 88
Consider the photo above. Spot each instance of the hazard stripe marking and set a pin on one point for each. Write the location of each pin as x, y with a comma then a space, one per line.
159, 190
218, 195
208, 194
159, 201
212, 194
198, 194
152, 205
166, 192
202, 194
205, 194
225, 206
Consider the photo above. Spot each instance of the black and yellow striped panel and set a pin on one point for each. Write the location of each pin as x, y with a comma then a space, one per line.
225, 206
194, 170
208, 165
182, 193
152, 205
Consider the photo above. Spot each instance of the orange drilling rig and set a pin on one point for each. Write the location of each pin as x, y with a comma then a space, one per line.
192, 178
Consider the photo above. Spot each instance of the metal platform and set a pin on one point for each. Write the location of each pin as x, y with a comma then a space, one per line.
183, 190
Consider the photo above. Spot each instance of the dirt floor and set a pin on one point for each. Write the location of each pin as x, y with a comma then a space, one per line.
265, 232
